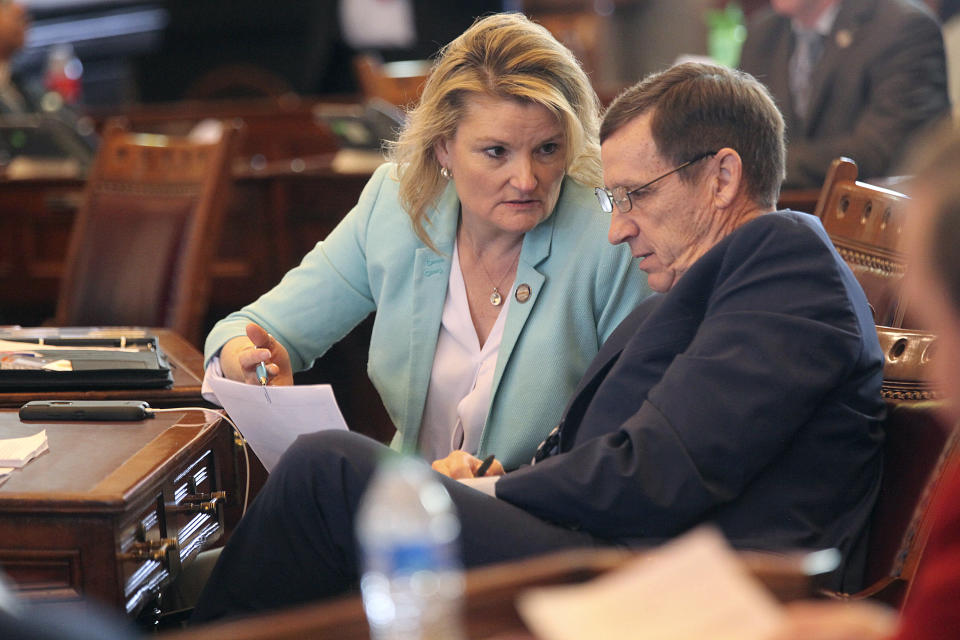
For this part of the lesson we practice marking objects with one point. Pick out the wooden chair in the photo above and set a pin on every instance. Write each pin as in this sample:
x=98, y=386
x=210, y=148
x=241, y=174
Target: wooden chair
x=399, y=83
x=146, y=232
x=917, y=448
x=865, y=223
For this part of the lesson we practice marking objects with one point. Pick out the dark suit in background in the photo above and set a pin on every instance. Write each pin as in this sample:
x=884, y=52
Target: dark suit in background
x=748, y=396
x=881, y=78
x=14, y=100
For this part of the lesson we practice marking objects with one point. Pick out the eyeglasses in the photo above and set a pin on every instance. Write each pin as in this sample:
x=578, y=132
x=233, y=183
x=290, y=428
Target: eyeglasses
x=621, y=197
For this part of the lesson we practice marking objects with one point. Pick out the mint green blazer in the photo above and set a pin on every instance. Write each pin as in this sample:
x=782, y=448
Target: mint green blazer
x=581, y=288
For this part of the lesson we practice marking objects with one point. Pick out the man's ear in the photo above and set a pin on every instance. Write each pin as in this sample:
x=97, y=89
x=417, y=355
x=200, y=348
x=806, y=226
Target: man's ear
x=729, y=177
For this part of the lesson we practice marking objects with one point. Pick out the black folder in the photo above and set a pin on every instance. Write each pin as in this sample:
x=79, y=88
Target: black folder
x=95, y=364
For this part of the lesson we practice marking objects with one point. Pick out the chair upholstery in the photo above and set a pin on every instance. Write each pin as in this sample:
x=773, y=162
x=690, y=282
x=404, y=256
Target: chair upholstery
x=917, y=448
x=144, y=236
x=865, y=223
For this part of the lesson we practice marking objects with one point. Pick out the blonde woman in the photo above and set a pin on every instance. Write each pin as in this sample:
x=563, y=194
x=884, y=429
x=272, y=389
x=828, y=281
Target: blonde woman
x=481, y=249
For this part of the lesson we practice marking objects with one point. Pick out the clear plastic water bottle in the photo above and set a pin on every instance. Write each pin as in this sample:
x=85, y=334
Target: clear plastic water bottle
x=412, y=582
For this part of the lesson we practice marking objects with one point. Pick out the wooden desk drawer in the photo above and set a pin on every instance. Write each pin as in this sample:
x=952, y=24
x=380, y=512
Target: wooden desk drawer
x=147, y=557
x=184, y=517
x=196, y=512
x=118, y=532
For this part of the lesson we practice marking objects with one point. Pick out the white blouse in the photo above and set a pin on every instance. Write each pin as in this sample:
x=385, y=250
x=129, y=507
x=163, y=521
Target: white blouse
x=461, y=381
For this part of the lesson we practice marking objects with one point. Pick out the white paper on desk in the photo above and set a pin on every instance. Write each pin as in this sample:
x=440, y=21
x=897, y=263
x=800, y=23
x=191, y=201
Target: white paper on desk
x=270, y=427
x=19, y=347
x=692, y=588
x=16, y=452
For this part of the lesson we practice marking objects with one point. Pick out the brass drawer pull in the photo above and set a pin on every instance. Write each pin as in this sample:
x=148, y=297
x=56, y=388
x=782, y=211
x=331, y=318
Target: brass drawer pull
x=199, y=503
x=164, y=550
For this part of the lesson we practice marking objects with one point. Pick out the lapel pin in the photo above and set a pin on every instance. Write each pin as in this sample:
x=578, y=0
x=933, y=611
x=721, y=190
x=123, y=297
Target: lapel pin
x=844, y=38
x=523, y=293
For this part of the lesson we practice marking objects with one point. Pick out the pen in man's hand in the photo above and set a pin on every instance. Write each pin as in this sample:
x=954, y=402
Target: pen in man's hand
x=263, y=377
x=484, y=466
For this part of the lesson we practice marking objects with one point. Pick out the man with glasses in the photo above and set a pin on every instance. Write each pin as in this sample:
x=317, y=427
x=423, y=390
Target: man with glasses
x=746, y=395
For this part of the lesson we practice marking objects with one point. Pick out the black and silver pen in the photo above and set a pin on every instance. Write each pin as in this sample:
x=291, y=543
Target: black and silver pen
x=263, y=377
x=484, y=466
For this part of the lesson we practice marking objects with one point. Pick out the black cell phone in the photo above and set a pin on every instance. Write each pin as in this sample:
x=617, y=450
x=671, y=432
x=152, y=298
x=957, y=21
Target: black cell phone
x=58, y=410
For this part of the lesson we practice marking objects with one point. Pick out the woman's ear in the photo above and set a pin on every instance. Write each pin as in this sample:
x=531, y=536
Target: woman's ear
x=729, y=177
x=440, y=151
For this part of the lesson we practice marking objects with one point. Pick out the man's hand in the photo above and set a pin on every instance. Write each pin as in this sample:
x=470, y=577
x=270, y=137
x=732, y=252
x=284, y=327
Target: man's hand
x=460, y=464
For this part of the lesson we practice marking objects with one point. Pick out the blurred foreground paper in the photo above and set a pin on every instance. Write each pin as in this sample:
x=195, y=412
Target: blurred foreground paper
x=270, y=427
x=692, y=588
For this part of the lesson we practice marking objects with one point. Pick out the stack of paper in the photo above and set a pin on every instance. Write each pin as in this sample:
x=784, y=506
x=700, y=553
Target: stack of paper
x=16, y=452
x=270, y=418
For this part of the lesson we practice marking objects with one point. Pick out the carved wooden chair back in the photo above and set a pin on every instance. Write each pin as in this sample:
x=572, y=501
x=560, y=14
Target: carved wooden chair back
x=865, y=224
x=146, y=231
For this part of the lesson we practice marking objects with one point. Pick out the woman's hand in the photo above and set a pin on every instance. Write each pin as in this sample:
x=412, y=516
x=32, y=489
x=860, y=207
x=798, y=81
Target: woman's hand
x=240, y=356
x=460, y=464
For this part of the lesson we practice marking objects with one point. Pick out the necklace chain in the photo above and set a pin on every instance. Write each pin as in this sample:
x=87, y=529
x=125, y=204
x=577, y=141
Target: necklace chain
x=496, y=299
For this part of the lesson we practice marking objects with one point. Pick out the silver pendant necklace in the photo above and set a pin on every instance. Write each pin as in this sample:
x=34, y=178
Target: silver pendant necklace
x=496, y=299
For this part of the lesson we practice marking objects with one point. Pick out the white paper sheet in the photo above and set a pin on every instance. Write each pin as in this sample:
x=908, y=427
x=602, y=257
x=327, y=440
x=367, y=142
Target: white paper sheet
x=692, y=588
x=271, y=427
x=16, y=452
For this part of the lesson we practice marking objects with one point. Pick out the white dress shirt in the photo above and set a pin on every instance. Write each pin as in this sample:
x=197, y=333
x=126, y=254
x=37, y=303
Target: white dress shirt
x=461, y=381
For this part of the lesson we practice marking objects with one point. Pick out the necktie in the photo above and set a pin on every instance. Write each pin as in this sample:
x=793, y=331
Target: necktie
x=809, y=45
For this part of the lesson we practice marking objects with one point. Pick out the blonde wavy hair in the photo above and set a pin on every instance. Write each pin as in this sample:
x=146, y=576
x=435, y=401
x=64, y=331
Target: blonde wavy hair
x=504, y=55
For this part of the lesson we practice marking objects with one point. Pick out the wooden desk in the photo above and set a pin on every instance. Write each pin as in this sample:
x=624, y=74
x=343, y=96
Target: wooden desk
x=185, y=361
x=490, y=596
x=113, y=511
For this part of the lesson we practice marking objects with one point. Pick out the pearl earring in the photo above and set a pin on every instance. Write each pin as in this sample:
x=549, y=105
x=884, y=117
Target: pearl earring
x=445, y=172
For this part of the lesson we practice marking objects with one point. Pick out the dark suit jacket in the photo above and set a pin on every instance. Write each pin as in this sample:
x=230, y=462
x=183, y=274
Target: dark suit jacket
x=881, y=77
x=747, y=396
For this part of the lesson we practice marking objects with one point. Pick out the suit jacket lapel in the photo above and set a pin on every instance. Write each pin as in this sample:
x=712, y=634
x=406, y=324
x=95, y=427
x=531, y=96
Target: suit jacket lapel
x=844, y=34
x=431, y=274
x=536, y=249
x=608, y=355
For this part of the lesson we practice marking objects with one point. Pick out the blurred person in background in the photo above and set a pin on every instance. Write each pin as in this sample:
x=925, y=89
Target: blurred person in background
x=13, y=29
x=855, y=78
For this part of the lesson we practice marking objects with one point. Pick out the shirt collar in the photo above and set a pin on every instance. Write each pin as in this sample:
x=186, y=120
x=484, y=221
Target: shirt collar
x=824, y=24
